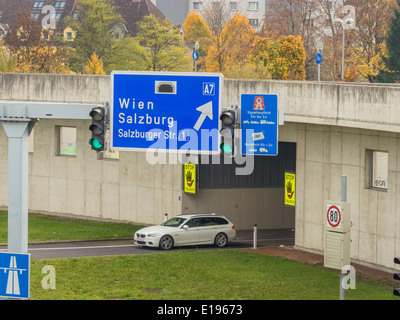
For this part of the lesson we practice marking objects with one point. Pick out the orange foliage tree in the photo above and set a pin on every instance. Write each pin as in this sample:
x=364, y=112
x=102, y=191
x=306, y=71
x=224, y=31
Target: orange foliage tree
x=196, y=29
x=94, y=65
x=284, y=59
x=35, y=49
x=232, y=46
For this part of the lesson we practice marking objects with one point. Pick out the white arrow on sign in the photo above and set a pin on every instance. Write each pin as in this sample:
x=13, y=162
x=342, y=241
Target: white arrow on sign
x=206, y=111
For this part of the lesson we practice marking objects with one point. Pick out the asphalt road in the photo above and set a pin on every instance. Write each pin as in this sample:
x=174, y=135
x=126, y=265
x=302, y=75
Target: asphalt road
x=244, y=239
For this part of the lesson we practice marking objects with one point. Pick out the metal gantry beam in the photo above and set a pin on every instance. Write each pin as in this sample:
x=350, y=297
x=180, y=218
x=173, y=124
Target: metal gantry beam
x=39, y=110
x=18, y=120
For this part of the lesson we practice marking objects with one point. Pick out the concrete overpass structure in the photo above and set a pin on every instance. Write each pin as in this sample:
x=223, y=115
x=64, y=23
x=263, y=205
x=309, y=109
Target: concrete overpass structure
x=337, y=129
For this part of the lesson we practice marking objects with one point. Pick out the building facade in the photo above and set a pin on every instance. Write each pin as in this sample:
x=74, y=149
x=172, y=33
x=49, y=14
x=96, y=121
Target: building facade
x=177, y=10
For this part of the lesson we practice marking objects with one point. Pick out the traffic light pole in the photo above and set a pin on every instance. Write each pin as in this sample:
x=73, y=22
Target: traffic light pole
x=18, y=120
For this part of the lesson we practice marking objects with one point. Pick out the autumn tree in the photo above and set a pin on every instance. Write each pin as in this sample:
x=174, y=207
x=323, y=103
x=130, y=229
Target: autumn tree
x=216, y=14
x=232, y=46
x=97, y=18
x=314, y=22
x=7, y=62
x=283, y=59
x=196, y=29
x=94, y=65
x=365, y=44
x=164, y=49
x=128, y=54
x=35, y=49
x=297, y=18
x=24, y=38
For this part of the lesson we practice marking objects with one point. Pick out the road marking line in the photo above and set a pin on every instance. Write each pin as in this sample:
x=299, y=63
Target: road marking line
x=72, y=248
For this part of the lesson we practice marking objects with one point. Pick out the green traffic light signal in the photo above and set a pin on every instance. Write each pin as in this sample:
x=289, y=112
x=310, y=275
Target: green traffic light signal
x=226, y=148
x=95, y=144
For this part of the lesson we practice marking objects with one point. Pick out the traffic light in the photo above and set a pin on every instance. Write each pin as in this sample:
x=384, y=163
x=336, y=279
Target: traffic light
x=396, y=276
x=98, y=128
x=228, y=119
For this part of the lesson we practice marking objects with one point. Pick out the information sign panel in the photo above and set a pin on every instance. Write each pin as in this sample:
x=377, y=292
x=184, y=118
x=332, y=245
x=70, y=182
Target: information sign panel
x=259, y=124
x=166, y=111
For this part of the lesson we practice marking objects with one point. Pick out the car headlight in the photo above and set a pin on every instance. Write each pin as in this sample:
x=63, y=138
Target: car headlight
x=152, y=235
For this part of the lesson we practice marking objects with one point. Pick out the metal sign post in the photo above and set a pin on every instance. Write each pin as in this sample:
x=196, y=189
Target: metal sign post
x=343, y=273
x=196, y=54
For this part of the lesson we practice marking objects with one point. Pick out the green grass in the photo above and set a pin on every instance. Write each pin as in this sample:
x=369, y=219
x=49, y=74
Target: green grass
x=180, y=274
x=197, y=274
x=55, y=228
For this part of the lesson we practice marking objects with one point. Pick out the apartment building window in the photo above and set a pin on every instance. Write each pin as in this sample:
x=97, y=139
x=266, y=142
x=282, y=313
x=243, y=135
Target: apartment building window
x=253, y=22
x=233, y=5
x=2, y=33
x=253, y=6
x=309, y=22
x=58, y=15
x=377, y=169
x=60, y=4
x=69, y=36
x=38, y=4
x=35, y=14
x=66, y=145
x=198, y=5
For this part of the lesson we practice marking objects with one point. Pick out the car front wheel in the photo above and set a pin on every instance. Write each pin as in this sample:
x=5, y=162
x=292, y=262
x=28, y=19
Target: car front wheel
x=166, y=242
x=221, y=240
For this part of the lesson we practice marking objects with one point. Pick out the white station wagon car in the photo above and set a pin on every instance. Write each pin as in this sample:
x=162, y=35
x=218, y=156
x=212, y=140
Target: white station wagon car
x=186, y=230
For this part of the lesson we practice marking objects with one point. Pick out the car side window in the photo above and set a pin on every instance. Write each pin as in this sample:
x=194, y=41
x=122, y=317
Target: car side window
x=193, y=223
x=221, y=221
x=204, y=222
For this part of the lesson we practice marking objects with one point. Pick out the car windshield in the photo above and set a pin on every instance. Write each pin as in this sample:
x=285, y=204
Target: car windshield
x=174, y=222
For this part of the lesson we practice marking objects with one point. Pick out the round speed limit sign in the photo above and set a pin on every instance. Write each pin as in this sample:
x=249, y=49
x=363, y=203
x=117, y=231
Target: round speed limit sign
x=334, y=216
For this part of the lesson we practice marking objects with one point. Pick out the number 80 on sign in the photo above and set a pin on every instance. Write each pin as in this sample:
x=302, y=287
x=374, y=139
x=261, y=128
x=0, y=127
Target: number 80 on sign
x=334, y=216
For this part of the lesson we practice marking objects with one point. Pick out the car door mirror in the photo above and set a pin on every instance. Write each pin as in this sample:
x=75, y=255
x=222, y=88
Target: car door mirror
x=185, y=226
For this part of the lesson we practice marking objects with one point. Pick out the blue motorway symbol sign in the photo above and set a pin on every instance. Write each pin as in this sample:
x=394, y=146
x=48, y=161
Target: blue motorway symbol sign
x=318, y=58
x=166, y=111
x=259, y=124
x=14, y=275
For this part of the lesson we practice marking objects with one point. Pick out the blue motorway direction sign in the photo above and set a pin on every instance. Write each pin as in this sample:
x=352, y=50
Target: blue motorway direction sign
x=259, y=124
x=14, y=275
x=165, y=111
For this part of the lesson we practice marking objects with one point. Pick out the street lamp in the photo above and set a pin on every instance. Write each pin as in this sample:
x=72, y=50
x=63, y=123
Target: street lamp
x=343, y=23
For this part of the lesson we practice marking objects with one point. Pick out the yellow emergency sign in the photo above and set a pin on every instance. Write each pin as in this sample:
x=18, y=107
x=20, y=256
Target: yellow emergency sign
x=290, y=188
x=189, y=178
